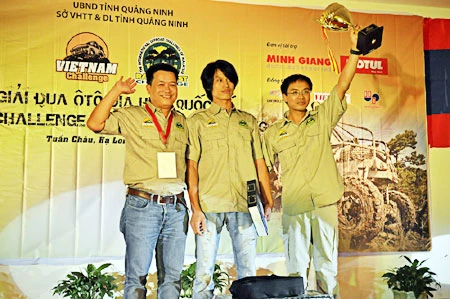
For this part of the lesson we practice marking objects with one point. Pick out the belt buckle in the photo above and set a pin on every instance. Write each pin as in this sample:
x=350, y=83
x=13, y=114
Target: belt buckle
x=175, y=199
x=158, y=201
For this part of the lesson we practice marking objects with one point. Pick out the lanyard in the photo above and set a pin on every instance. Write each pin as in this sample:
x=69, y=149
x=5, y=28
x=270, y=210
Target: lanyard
x=158, y=126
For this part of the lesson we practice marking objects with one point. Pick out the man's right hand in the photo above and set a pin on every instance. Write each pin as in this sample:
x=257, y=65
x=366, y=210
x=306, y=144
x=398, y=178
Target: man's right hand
x=127, y=86
x=198, y=223
x=100, y=114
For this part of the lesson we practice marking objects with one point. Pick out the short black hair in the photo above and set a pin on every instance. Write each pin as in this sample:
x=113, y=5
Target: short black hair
x=160, y=67
x=294, y=78
x=210, y=69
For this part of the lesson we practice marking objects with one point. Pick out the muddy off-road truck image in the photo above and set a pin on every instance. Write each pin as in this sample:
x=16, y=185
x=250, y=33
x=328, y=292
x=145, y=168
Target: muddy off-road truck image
x=370, y=208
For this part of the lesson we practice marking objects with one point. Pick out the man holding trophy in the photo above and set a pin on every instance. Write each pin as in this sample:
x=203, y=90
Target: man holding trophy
x=312, y=185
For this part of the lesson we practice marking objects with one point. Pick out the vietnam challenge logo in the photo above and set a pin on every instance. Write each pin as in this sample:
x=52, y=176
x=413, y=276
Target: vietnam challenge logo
x=161, y=50
x=86, y=59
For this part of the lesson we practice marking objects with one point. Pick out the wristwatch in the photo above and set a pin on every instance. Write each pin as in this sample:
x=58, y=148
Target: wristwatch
x=354, y=52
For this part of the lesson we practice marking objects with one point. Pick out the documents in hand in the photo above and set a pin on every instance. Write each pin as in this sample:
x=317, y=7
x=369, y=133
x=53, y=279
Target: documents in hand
x=256, y=209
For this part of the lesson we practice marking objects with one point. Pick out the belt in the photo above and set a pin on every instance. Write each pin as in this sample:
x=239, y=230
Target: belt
x=169, y=199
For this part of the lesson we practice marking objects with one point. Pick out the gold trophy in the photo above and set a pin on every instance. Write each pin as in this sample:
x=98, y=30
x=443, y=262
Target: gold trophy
x=337, y=18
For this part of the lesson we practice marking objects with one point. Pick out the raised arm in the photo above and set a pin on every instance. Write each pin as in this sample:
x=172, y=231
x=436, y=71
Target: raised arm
x=100, y=114
x=348, y=72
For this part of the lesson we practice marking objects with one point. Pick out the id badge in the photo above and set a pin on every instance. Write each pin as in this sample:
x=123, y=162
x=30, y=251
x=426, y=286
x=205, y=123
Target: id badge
x=167, y=166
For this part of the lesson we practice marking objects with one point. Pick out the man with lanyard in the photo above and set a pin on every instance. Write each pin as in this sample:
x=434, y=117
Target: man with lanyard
x=224, y=153
x=155, y=217
x=311, y=182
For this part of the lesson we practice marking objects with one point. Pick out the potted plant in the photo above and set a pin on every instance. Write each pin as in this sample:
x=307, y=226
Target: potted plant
x=411, y=280
x=94, y=284
x=221, y=280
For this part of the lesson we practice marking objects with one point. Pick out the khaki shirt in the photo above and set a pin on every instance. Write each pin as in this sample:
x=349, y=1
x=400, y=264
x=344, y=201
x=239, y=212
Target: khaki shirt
x=143, y=142
x=309, y=176
x=225, y=147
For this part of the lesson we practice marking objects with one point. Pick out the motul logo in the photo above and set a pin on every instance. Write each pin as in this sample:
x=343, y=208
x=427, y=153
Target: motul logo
x=366, y=65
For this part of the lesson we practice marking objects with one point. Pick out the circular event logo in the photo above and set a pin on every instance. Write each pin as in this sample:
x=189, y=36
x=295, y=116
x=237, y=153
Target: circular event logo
x=161, y=50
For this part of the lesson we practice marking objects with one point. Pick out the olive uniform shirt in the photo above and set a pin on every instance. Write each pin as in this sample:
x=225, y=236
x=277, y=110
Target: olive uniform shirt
x=225, y=147
x=143, y=142
x=310, y=177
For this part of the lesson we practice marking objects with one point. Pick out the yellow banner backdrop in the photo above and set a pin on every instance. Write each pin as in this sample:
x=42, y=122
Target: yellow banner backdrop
x=61, y=187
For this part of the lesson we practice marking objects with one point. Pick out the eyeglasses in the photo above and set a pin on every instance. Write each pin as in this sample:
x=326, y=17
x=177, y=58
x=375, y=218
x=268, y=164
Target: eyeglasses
x=304, y=92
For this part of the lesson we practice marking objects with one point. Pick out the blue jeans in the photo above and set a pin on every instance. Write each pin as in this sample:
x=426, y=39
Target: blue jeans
x=148, y=226
x=243, y=237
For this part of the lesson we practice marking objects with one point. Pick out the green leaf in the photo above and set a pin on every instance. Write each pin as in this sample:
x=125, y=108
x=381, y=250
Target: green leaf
x=94, y=285
x=104, y=266
x=220, y=279
x=412, y=277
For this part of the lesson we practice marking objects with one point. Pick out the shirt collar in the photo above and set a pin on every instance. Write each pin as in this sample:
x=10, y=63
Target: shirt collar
x=286, y=115
x=154, y=109
x=215, y=109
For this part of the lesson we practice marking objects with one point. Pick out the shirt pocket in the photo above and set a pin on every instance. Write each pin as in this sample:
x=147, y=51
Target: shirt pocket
x=149, y=143
x=181, y=142
x=245, y=143
x=286, y=151
x=312, y=130
x=214, y=146
x=149, y=134
x=313, y=138
x=245, y=134
x=214, y=141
